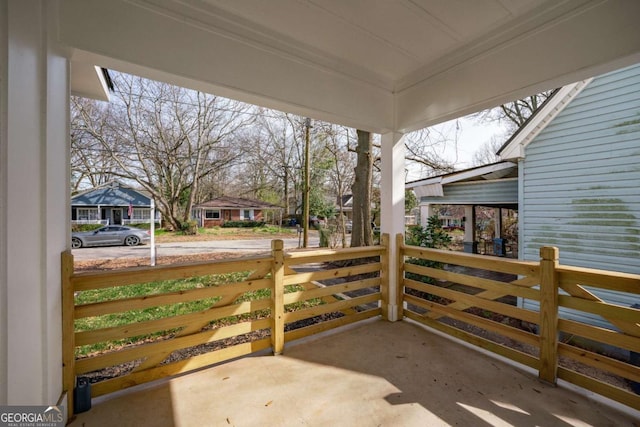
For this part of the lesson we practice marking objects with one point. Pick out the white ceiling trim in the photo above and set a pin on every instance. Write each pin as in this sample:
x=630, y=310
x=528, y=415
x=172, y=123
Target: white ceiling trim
x=513, y=52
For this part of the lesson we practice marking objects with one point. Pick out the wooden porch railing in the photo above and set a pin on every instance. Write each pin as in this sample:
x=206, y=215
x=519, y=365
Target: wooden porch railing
x=482, y=311
x=267, y=301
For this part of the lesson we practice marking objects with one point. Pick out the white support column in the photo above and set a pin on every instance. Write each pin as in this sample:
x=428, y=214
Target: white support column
x=469, y=229
x=497, y=222
x=426, y=211
x=34, y=202
x=392, y=205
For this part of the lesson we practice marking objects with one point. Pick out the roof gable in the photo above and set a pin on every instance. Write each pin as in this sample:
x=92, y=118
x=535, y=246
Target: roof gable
x=236, y=203
x=540, y=119
x=111, y=194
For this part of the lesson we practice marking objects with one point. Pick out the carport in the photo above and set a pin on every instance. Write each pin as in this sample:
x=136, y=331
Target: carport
x=492, y=186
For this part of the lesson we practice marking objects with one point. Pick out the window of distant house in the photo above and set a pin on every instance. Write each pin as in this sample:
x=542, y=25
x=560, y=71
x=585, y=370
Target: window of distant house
x=212, y=214
x=247, y=214
x=87, y=214
x=141, y=214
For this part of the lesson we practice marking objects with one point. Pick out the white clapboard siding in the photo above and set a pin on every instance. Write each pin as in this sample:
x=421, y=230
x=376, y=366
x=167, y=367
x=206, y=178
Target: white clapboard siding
x=580, y=188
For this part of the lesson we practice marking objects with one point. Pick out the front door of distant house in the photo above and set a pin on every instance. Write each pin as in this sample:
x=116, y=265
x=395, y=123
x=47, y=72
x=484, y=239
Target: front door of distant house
x=116, y=216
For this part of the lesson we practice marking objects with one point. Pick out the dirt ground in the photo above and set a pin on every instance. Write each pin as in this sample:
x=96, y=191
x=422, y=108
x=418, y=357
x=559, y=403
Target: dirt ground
x=118, y=263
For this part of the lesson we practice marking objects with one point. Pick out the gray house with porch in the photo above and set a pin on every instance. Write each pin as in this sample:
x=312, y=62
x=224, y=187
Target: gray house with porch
x=112, y=203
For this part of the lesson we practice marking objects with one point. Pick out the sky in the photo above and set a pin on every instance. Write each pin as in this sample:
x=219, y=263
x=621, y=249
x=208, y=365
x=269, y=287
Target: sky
x=465, y=136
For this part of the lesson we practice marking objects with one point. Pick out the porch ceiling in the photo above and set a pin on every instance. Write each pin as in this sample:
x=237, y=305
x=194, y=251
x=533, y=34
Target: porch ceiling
x=380, y=65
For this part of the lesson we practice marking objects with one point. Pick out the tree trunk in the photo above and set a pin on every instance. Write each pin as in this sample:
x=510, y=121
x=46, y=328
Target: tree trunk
x=361, y=234
x=287, y=209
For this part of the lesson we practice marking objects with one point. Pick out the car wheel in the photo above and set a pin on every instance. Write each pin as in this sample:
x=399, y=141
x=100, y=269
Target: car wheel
x=76, y=243
x=131, y=241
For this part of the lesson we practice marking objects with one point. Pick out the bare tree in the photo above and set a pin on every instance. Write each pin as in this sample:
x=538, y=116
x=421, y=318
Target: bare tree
x=90, y=165
x=486, y=154
x=167, y=139
x=425, y=148
x=514, y=114
x=341, y=173
x=275, y=158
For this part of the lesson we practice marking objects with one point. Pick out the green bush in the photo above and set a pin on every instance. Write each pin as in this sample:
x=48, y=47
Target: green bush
x=189, y=227
x=86, y=227
x=431, y=236
x=141, y=225
x=325, y=237
x=245, y=224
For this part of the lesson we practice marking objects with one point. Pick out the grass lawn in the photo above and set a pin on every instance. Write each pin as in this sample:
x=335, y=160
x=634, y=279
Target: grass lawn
x=219, y=233
x=167, y=310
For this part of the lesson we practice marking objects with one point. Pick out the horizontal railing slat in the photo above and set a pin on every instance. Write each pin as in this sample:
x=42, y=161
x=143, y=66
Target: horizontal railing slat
x=474, y=301
x=612, y=392
x=153, y=300
x=484, y=343
x=509, y=266
x=294, y=297
x=600, y=361
x=508, y=331
x=331, y=324
x=328, y=255
x=332, y=274
x=598, y=334
x=608, y=311
x=186, y=365
x=610, y=280
x=142, y=328
x=478, y=282
x=329, y=308
x=84, y=281
x=104, y=360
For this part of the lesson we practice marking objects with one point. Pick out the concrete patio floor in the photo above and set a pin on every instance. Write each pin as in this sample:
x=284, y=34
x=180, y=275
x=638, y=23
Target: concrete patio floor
x=375, y=373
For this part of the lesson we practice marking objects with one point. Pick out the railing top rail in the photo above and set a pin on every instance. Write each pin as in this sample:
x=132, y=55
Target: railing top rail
x=465, y=255
x=363, y=250
x=486, y=262
x=605, y=279
x=87, y=280
x=328, y=255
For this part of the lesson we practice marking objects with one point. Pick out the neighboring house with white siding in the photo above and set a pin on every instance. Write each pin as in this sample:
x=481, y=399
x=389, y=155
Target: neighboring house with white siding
x=579, y=177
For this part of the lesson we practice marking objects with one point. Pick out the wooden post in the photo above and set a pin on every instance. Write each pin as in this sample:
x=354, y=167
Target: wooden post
x=384, y=276
x=400, y=275
x=68, y=333
x=277, y=297
x=548, y=315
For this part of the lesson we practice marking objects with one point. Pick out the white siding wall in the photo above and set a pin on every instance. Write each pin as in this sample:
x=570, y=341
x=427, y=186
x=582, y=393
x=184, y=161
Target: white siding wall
x=581, y=180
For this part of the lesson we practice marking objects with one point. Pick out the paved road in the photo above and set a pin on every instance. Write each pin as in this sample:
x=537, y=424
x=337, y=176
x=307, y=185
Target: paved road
x=186, y=248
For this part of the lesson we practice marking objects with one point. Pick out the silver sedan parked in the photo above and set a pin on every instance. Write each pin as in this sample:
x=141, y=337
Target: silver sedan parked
x=110, y=235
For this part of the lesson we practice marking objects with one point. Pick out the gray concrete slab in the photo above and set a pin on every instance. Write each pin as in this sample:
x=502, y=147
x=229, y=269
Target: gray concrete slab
x=374, y=374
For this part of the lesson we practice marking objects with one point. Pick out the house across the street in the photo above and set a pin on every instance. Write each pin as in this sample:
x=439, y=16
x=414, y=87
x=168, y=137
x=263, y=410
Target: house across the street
x=216, y=212
x=112, y=203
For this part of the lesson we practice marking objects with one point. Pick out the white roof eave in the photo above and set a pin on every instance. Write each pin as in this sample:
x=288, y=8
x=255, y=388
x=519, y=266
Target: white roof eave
x=516, y=148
